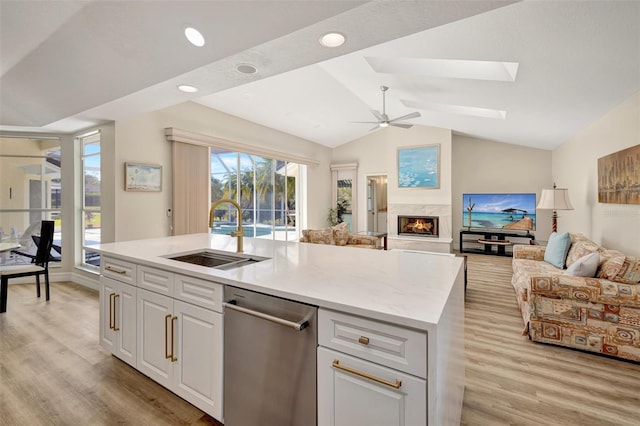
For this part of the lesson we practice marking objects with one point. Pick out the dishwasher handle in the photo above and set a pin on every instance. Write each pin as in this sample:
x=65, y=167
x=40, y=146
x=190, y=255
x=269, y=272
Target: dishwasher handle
x=232, y=304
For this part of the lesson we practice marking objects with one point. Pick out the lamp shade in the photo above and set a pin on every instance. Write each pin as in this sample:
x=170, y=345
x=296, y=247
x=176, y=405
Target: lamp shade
x=555, y=199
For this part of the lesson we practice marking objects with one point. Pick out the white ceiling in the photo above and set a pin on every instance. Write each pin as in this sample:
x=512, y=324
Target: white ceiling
x=68, y=65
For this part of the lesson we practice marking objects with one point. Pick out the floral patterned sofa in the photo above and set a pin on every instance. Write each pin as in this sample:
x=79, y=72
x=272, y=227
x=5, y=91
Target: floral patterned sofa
x=339, y=235
x=599, y=314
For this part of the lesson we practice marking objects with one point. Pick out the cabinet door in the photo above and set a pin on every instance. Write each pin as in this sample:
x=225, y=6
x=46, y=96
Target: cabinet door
x=107, y=294
x=198, y=371
x=125, y=305
x=155, y=318
x=353, y=399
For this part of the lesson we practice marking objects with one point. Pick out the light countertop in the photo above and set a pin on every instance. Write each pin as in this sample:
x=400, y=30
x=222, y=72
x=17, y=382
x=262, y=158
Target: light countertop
x=401, y=287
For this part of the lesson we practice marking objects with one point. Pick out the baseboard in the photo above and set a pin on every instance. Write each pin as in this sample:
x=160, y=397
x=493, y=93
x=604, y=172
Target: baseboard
x=86, y=281
x=57, y=277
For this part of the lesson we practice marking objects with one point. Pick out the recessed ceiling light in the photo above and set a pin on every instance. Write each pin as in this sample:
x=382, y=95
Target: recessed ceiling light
x=188, y=89
x=246, y=69
x=332, y=39
x=194, y=36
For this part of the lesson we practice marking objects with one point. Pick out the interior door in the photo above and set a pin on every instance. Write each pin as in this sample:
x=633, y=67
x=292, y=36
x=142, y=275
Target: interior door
x=371, y=206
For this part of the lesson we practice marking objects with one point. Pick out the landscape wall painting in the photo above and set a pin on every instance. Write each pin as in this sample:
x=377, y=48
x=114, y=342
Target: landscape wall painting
x=619, y=177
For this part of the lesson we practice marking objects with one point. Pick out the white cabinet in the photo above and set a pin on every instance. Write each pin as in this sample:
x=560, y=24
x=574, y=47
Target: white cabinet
x=155, y=319
x=118, y=319
x=197, y=375
x=355, y=392
x=356, y=385
x=180, y=347
x=166, y=325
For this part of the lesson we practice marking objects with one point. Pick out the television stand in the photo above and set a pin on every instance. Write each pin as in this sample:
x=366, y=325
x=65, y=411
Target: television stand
x=496, y=242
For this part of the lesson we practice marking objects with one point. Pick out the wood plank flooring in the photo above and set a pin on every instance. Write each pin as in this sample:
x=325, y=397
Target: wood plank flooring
x=513, y=381
x=53, y=371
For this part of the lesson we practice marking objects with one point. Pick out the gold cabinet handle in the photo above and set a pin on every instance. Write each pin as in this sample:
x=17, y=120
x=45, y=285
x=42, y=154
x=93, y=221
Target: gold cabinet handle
x=396, y=385
x=167, y=355
x=173, y=338
x=115, y=313
x=111, y=322
x=363, y=340
x=117, y=271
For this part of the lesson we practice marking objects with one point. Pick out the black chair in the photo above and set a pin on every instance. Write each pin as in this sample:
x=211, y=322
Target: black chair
x=39, y=267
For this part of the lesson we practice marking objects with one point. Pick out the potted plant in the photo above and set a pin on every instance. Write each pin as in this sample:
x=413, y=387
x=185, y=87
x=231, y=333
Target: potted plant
x=335, y=215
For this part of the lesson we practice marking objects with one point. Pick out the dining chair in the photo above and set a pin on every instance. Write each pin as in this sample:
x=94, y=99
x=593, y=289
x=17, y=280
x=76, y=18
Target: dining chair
x=39, y=267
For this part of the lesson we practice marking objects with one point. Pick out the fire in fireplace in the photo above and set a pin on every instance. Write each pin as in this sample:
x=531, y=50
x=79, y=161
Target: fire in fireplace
x=420, y=226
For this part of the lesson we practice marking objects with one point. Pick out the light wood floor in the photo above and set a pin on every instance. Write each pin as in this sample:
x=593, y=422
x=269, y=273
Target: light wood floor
x=513, y=381
x=53, y=371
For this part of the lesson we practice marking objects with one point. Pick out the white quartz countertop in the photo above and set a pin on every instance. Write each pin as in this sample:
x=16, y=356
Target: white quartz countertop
x=401, y=287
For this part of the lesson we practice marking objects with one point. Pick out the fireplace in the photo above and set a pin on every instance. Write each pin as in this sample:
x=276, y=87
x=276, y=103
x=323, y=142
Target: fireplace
x=418, y=226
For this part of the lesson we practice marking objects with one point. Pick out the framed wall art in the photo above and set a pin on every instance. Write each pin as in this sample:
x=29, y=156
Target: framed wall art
x=419, y=167
x=142, y=177
x=619, y=177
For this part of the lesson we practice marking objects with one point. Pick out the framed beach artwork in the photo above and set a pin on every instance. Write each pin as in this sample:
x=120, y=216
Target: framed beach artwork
x=142, y=177
x=419, y=167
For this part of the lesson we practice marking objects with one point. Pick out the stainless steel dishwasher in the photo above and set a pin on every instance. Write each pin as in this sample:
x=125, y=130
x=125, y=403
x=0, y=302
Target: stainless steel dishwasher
x=269, y=360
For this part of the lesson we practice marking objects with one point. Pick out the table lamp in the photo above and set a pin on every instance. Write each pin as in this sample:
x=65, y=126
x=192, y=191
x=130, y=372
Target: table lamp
x=554, y=199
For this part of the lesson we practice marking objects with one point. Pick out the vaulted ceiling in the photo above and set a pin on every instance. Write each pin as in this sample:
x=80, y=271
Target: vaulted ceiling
x=530, y=73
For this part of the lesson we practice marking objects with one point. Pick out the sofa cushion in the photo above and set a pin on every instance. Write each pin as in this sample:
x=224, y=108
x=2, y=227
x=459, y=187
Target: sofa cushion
x=586, y=266
x=557, y=249
x=318, y=236
x=630, y=271
x=580, y=248
x=341, y=234
x=611, y=262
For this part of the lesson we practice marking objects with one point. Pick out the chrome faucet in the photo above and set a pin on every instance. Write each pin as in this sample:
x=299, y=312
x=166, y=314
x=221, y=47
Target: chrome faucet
x=238, y=233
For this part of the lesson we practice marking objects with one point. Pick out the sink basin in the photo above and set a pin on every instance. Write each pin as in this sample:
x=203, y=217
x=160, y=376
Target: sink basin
x=217, y=259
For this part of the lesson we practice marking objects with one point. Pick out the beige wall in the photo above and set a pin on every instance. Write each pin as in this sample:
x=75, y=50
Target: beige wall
x=485, y=166
x=141, y=139
x=575, y=166
x=376, y=154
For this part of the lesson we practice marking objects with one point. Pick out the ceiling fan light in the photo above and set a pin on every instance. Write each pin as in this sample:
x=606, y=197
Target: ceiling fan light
x=384, y=124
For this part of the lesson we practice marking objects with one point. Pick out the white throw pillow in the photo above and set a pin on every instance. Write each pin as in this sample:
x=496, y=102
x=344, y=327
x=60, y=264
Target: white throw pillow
x=586, y=266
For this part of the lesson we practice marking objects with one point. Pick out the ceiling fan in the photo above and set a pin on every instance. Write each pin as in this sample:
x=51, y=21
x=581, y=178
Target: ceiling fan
x=383, y=118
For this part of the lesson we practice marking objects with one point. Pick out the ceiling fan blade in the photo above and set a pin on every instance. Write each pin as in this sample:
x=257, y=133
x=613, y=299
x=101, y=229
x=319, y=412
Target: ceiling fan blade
x=374, y=127
x=364, y=122
x=406, y=117
x=377, y=114
x=404, y=126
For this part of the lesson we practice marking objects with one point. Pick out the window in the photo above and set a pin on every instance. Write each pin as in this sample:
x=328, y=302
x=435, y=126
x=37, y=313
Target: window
x=90, y=210
x=30, y=171
x=265, y=188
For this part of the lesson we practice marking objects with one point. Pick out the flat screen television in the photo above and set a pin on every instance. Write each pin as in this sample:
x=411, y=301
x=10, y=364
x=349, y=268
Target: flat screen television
x=514, y=212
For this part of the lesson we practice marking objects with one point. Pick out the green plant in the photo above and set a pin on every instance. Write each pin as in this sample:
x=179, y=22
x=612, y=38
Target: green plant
x=335, y=215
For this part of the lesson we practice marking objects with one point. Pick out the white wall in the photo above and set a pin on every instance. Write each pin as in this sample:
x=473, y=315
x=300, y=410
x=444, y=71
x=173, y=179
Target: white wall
x=141, y=139
x=575, y=166
x=376, y=154
x=485, y=166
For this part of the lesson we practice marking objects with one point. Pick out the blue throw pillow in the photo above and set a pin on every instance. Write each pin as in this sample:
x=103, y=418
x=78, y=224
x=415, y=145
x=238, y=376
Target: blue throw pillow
x=557, y=249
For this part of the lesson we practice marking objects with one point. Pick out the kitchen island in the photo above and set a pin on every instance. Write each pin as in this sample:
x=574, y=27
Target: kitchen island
x=386, y=291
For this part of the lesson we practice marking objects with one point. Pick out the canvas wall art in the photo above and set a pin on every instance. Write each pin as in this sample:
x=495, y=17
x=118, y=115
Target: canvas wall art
x=619, y=177
x=419, y=167
x=142, y=177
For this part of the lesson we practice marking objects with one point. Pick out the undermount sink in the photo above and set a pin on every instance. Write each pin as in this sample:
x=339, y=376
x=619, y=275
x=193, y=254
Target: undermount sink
x=217, y=259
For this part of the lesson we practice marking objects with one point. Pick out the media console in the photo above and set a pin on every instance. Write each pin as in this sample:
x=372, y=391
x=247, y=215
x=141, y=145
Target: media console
x=496, y=242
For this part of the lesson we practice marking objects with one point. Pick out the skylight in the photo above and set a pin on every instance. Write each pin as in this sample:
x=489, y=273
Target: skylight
x=457, y=109
x=446, y=68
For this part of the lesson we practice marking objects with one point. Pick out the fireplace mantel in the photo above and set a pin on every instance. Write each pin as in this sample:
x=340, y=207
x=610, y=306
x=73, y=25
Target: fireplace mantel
x=442, y=243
